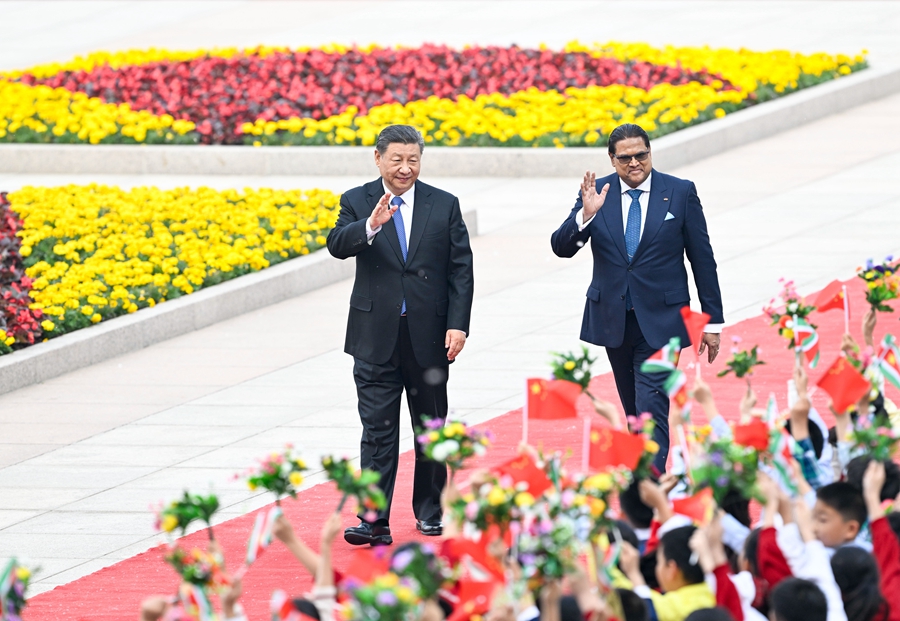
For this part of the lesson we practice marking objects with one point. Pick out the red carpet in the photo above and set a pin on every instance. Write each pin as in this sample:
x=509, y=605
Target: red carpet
x=115, y=593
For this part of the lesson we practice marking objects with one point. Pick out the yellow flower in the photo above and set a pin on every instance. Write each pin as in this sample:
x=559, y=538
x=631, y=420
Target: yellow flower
x=296, y=479
x=524, y=499
x=405, y=594
x=251, y=485
x=433, y=436
x=300, y=464
x=598, y=507
x=651, y=447
x=496, y=496
x=719, y=113
x=169, y=523
x=787, y=333
x=48, y=325
x=602, y=482
x=23, y=573
x=569, y=365
x=96, y=318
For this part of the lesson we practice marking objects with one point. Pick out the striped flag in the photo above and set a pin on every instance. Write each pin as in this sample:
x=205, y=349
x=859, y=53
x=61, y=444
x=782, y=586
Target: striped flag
x=781, y=447
x=771, y=410
x=665, y=360
x=196, y=603
x=261, y=536
x=7, y=580
x=282, y=607
x=676, y=387
x=889, y=360
x=806, y=340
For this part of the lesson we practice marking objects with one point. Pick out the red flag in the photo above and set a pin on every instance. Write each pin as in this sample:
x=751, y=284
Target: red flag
x=700, y=507
x=754, y=434
x=832, y=296
x=475, y=598
x=523, y=469
x=844, y=384
x=694, y=322
x=456, y=549
x=614, y=449
x=366, y=564
x=552, y=399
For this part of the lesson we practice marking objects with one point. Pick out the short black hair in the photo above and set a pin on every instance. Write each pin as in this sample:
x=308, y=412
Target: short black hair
x=795, y=599
x=815, y=436
x=857, y=468
x=856, y=573
x=633, y=606
x=845, y=499
x=628, y=130
x=751, y=551
x=306, y=607
x=675, y=547
x=400, y=134
x=710, y=614
x=737, y=506
x=639, y=514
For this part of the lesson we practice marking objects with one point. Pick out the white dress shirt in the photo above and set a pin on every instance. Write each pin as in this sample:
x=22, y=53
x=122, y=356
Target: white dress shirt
x=644, y=200
x=406, y=211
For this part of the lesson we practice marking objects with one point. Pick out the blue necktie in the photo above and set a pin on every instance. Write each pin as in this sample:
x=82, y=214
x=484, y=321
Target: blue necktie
x=401, y=234
x=632, y=234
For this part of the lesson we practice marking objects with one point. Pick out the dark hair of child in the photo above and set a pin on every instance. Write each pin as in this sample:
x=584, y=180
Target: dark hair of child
x=845, y=499
x=796, y=599
x=857, y=468
x=633, y=607
x=710, y=614
x=856, y=573
x=639, y=514
x=675, y=547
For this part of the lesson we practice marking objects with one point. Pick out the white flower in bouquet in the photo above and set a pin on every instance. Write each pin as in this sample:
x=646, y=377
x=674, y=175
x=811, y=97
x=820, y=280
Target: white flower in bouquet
x=444, y=450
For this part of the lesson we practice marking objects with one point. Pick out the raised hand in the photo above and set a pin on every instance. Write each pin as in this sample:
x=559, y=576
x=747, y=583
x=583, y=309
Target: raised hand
x=382, y=213
x=592, y=201
x=869, y=327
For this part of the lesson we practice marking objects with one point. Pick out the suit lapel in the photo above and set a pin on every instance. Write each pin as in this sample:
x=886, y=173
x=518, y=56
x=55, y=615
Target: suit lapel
x=612, y=214
x=657, y=208
x=376, y=191
x=421, y=212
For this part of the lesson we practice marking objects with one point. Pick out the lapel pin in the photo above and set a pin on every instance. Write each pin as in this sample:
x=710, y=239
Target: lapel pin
x=665, y=199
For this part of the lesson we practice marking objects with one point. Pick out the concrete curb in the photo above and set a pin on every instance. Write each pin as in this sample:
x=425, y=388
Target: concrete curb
x=147, y=326
x=683, y=147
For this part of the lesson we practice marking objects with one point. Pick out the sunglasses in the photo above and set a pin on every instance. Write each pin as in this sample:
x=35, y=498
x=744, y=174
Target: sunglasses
x=625, y=159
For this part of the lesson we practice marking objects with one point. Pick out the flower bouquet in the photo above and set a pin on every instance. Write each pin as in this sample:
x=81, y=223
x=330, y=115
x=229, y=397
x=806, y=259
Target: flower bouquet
x=279, y=473
x=387, y=598
x=183, y=512
x=418, y=562
x=882, y=283
x=14, y=580
x=197, y=567
x=549, y=546
x=794, y=306
x=597, y=491
x=874, y=439
x=362, y=485
x=452, y=443
x=494, y=502
x=576, y=369
x=724, y=465
x=742, y=361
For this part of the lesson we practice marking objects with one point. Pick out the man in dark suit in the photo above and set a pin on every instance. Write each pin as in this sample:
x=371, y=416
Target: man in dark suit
x=409, y=316
x=641, y=223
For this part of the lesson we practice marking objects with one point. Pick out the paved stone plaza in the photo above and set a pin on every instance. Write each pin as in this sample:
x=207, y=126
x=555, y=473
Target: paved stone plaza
x=82, y=456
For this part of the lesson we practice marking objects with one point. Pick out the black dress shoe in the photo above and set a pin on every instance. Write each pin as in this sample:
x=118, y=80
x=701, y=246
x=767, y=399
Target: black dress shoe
x=432, y=528
x=366, y=533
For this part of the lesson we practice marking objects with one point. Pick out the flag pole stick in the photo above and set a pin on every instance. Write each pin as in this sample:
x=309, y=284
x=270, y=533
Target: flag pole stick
x=586, y=445
x=525, y=415
x=846, y=311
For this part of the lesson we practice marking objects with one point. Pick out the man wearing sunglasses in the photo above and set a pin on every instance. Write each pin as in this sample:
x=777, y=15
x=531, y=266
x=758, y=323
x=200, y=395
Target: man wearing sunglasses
x=641, y=223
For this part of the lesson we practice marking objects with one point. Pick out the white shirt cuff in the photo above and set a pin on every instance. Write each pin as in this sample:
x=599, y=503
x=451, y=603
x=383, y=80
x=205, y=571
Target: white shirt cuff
x=579, y=219
x=714, y=328
x=371, y=233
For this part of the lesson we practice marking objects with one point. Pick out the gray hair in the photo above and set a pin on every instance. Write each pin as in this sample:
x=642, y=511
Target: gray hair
x=402, y=134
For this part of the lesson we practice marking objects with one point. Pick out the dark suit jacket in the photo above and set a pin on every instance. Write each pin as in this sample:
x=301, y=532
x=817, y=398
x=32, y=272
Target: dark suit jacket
x=656, y=276
x=436, y=280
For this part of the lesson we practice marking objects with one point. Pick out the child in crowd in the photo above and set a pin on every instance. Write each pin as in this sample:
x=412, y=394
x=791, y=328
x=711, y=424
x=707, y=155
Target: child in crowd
x=839, y=514
x=795, y=599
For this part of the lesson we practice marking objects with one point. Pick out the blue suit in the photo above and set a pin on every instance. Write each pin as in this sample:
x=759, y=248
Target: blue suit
x=656, y=280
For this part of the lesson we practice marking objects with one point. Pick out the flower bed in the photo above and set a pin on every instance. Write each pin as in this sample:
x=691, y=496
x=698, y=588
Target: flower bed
x=77, y=255
x=475, y=96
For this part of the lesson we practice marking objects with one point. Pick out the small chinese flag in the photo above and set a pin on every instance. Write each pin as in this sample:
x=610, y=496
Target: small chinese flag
x=614, y=449
x=552, y=399
x=844, y=384
x=523, y=469
x=754, y=434
x=832, y=296
x=476, y=551
x=475, y=598
x=366, y=564
x=694, y=322
x=700, y=507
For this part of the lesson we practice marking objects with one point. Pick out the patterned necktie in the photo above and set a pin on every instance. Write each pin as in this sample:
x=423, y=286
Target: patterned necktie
x=401, y=235
x=632, y=234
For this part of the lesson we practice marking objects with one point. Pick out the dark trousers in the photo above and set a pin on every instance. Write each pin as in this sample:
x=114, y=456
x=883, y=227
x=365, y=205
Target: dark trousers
x=641, y=392
x=379, y=388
